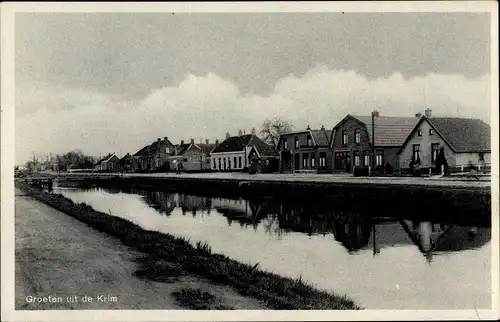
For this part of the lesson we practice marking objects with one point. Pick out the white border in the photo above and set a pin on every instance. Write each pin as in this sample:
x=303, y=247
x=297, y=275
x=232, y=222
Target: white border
x=7, y=161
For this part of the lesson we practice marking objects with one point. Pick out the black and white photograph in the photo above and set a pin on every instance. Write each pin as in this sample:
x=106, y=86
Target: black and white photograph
x=249, y=161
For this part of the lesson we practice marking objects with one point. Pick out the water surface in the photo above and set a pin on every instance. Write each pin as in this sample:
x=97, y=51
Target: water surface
x=379, y=261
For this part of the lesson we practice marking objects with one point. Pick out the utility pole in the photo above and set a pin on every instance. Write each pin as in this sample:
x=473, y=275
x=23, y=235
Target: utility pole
x=374, y=113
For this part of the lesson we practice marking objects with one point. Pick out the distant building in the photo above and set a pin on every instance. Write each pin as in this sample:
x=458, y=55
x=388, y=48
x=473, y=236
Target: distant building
x=109, y=163
x=126, y=163
x=352, y=141
x=463, y=141
x=305, y=150
x=192, y=156
x=153, y=157
x=232, y=153
x=265, y=160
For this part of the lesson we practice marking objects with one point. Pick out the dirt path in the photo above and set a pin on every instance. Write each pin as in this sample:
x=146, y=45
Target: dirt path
x=60, y=257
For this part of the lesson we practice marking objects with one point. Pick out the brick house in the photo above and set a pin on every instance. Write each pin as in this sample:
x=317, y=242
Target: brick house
x=305, y=150
x=109, y=163
x=352, y=142
x=192, y=156
x=264, y=160
x=153, y=157
x=463, y=141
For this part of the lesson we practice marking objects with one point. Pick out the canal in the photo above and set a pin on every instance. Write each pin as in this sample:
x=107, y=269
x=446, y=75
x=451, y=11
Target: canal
x=382, y=261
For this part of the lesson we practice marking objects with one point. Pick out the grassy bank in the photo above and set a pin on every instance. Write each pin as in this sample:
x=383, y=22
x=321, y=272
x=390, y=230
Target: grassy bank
x=275, y=291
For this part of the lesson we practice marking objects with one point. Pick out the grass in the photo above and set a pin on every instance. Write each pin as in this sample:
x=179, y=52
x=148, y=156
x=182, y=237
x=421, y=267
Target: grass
x=179, y=256
x=195, y=299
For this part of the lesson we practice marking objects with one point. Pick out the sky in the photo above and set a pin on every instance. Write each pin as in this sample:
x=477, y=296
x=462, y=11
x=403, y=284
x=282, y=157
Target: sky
x=115, y=82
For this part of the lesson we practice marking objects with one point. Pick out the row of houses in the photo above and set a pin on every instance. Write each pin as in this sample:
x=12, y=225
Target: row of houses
x=375, y=141
x=387, y=142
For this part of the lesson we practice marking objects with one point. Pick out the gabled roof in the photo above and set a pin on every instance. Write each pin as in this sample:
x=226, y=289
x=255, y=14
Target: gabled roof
x=389, y=130
x=206, y=147
x=463, y=135
x=234, y=144
x=142, y=151
x=320, y=137
x=460, y=134
x=182, y=148
x=264, y=151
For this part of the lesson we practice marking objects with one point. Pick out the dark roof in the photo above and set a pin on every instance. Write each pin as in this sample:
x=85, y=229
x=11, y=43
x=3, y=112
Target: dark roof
x=234, y=143
x=127, y=156
x=389, y=130
x=206, y=148
x=321, y=137
x=142, y=151
x=464, y=135
x=182, y=148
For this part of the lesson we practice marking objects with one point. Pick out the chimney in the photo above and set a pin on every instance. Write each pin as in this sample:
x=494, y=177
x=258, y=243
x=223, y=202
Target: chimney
x=322, y=127
x=428, y=112
x=216, y=141
x=418, y=115
x=228, y=135
x=165, y=138
x=206, y=141
x=192, y=141
x=182, y=142
x=253, y=131
x=240, y=132
x=159, y=139
x=308, y=127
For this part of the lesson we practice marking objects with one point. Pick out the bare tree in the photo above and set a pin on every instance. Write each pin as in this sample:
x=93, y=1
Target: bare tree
x=272, y=129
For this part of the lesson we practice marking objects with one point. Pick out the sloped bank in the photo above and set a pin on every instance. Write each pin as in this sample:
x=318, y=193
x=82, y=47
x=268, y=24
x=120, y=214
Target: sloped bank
x=276, y=291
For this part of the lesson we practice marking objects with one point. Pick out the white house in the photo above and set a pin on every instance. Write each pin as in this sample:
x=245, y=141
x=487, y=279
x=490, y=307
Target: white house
x=232, y=153
x=464, y=141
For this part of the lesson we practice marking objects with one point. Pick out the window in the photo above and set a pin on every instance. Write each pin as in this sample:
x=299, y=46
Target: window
x=229, y=163
x=309, y=140
x=434, y=151
x=431, y=131
x=285, y=144
x=167, y=150
x=419, y=133
x=416, y=152
x=225, y=164
x=215, y=163
x=357, y=136
x=481, y=156
x=366, y=158
x=239, y=161
x=296, y=142
x=356, y=158
x=234, y=162
x=344, y=137
x=379, y=158
x=322, y=159
x=305, y=160
x=220, y=162
x=313, y=159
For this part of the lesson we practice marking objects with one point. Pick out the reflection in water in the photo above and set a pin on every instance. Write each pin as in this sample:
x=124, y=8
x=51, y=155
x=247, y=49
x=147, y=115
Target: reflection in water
x=363, y=255
x=353, y=231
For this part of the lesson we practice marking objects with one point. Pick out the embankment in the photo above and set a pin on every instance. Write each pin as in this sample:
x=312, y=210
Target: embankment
x=276, y=291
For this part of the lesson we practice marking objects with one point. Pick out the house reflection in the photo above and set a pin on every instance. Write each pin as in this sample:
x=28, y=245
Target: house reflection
x=246, y=213
x=355, y=231
x=436, y=238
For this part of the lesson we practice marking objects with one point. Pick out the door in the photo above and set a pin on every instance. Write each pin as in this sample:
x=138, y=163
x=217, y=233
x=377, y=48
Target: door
x=297, y=161
x=348, y=162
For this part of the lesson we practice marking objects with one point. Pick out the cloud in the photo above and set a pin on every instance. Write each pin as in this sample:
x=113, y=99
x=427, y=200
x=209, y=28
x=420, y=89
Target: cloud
x=57, y=119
